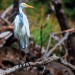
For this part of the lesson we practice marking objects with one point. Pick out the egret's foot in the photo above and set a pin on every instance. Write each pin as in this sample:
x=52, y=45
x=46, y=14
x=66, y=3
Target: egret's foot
x=20, y=66
x=27, y=64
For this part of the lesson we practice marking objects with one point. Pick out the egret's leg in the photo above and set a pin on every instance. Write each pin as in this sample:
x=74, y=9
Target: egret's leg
x=25, y=56
x=26, y=62
x=19, y=60
x=25, y=59
x=26, y=49
x=19, y=54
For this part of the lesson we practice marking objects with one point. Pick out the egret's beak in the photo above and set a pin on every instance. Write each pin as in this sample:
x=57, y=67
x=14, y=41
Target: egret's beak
x=28, y=6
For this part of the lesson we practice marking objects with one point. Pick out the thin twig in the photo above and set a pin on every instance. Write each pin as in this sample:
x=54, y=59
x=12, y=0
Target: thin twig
x=65, y=31
x=4, y=14
x=62, y=40
x=49, y=42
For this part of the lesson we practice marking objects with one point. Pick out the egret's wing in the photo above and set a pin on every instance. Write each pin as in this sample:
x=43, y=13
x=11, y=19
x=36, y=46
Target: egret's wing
x=16, y=23
x=26, y=23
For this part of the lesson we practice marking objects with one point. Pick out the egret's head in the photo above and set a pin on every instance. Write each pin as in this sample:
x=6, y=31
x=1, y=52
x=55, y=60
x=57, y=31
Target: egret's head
x=24, y=5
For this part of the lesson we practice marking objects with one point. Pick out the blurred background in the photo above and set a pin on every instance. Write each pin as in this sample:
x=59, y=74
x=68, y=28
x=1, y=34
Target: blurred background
x=43, y=17
x=39, y=15
x=49, y=21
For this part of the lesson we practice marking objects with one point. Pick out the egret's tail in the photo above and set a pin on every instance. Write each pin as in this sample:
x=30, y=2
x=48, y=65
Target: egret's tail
x=24, y=42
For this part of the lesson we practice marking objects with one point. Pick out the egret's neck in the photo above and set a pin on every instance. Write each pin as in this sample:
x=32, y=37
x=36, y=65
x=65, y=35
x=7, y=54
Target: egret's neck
x=20, y=10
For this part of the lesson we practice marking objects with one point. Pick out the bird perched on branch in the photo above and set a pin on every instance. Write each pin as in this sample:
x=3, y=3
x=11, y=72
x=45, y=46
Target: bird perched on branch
x=21, y=28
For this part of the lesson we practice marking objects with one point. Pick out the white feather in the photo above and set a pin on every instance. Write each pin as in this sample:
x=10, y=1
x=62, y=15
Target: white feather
x=21, y=28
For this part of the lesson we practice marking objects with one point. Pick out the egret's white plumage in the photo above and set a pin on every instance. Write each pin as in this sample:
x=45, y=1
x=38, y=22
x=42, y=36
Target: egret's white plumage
x=21, y=26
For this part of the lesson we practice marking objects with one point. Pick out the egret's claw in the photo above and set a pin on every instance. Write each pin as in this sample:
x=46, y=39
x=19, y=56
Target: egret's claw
x=20, y=66
x=27, y=65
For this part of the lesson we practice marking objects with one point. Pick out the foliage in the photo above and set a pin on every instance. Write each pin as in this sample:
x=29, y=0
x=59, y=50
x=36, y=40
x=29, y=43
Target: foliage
x=69, y=7
x=5, y=3
x=38, y=15
x=37, y=18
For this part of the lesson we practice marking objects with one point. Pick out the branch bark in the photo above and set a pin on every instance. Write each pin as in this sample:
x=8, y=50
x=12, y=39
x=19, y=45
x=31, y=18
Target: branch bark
x=6, y=28
x=64, y=24
x=36, y=64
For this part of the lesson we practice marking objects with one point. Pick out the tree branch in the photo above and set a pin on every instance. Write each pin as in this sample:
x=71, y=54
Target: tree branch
x=6, y=28
x=36, y=64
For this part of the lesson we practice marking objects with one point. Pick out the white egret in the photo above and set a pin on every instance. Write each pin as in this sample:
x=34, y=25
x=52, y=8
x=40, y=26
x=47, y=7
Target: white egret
x=21, y=27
